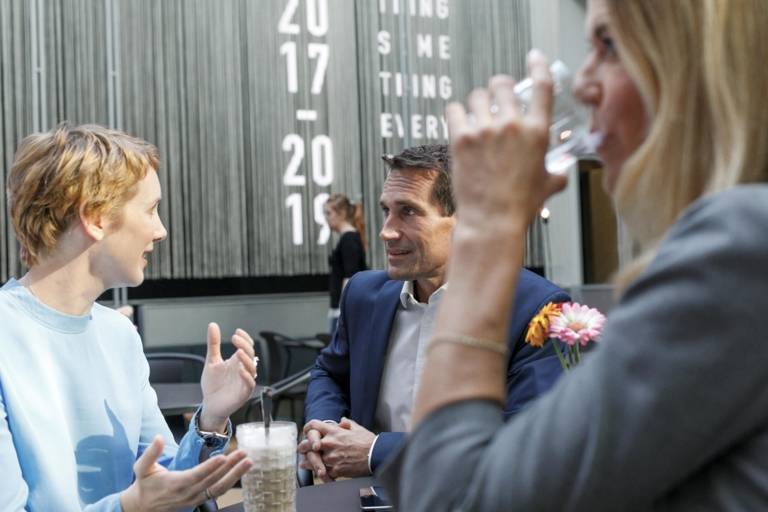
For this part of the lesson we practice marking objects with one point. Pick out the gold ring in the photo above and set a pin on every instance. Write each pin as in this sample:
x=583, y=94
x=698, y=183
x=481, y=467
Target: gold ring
x=208, y=495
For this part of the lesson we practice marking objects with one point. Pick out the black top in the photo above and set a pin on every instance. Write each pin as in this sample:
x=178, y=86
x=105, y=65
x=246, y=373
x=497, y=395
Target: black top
x=347, y=258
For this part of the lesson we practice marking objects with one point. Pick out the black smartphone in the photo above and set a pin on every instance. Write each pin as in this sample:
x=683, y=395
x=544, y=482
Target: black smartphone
x=374, y=498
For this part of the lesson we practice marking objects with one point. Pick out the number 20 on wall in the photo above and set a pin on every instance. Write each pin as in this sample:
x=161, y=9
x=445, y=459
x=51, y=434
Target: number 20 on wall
x=322, y=175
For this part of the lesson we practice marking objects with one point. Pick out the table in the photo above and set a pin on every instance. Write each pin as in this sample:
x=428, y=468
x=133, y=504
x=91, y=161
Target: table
x=180, y=397
x=342, y=496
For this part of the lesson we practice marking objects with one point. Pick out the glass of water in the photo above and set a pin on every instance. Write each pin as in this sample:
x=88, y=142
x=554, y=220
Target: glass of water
x=569, y=137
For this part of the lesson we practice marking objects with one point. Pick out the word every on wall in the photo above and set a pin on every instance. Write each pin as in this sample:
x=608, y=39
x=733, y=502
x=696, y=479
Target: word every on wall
x=428, y=47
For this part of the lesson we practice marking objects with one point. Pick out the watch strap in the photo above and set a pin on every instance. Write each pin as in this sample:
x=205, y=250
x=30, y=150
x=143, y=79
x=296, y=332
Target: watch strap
x=213, y=440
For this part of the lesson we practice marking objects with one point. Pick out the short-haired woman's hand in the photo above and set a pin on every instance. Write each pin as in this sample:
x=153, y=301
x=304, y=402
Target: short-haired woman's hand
x=158, y=489
x=227, y=384
x=498, y=152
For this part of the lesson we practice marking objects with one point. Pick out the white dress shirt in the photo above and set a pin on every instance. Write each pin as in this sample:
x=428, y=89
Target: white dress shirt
x=411, y=331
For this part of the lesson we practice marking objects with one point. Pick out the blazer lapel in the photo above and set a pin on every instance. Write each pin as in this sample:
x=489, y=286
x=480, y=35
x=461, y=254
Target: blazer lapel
x=382, y=318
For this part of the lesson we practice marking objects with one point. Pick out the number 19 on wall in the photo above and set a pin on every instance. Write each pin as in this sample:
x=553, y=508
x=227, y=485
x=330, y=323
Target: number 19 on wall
x=294, y=204
x=322, y=175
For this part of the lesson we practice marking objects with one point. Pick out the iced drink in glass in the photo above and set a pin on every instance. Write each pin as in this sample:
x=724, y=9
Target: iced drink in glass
x=270, y=485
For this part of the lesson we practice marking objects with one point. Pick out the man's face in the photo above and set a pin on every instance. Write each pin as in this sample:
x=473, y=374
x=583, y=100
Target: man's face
x=416, y=234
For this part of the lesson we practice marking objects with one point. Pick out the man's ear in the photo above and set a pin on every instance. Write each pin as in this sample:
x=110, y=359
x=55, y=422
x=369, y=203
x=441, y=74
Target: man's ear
x=93, y=224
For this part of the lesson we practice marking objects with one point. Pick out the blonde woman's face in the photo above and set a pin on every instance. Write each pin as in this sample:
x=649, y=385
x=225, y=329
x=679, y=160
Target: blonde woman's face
x=604, y=86
x=332, y=217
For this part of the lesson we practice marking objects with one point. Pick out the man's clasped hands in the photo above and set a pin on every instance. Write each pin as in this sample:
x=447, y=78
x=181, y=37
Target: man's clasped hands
x=332, y=450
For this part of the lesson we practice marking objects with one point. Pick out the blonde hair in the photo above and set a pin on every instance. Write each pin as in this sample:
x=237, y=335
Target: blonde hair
x=703, y=82
x=72, y=169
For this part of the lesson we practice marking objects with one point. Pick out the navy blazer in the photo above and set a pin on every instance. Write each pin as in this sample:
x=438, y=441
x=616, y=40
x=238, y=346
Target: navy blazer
x=347, y=374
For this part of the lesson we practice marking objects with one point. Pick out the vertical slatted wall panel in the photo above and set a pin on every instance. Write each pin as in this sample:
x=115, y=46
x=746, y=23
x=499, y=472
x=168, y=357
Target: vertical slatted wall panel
x=235, y=92
x=16, y=112
x=218, y=87
x=53, y=69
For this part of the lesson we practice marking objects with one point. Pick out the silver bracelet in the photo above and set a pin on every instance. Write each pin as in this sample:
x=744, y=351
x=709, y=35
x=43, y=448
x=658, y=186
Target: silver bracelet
x=469, y=341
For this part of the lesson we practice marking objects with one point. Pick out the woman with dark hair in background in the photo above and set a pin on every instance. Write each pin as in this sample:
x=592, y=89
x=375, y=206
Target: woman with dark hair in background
x=348, y=257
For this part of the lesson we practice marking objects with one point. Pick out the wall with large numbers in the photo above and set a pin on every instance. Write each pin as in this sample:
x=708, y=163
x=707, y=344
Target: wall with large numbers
x=260, y=108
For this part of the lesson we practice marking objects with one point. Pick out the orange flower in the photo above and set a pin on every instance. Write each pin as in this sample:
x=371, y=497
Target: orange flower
x=539, y=327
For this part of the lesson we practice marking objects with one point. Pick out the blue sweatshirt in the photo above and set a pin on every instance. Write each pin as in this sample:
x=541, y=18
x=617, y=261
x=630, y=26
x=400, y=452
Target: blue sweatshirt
x=76, y=407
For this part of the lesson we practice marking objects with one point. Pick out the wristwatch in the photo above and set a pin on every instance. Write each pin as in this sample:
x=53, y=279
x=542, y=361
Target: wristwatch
x=212, y=440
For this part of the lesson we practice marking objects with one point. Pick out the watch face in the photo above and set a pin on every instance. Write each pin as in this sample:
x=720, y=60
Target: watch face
x=213, y=440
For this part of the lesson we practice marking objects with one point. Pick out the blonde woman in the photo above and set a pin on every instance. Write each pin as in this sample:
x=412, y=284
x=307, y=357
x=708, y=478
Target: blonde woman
x=79, y=424
x=671, y=412
x=348, y=257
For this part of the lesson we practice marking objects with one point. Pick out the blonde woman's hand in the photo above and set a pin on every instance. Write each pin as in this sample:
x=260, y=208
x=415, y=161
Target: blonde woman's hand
x=226, y=384
x=498, y=156
x=158, y=489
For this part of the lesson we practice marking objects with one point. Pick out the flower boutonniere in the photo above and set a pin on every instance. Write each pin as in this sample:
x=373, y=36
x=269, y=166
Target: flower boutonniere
x=569, y=326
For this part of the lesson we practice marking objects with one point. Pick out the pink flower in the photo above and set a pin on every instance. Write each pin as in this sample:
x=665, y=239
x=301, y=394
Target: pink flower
x=577, y=323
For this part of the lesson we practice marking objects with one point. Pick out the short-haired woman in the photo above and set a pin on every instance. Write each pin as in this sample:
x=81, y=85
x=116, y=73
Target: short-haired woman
x=79, y=422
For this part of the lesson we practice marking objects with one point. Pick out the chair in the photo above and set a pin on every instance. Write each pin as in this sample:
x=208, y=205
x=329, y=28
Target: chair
x=173, y=367
x=291, y=382
x=280, y=350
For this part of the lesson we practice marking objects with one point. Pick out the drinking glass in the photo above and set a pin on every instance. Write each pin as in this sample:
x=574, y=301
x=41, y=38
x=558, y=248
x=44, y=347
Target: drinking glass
x=569, y=137
x=270, y=485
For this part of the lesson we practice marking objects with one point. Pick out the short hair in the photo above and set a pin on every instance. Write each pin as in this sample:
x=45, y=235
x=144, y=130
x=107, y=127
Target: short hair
x=58, y=174
x=434, y=157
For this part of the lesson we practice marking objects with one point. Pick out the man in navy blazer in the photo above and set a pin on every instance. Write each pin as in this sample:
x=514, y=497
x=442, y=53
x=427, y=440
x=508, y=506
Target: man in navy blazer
x=365, y=380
